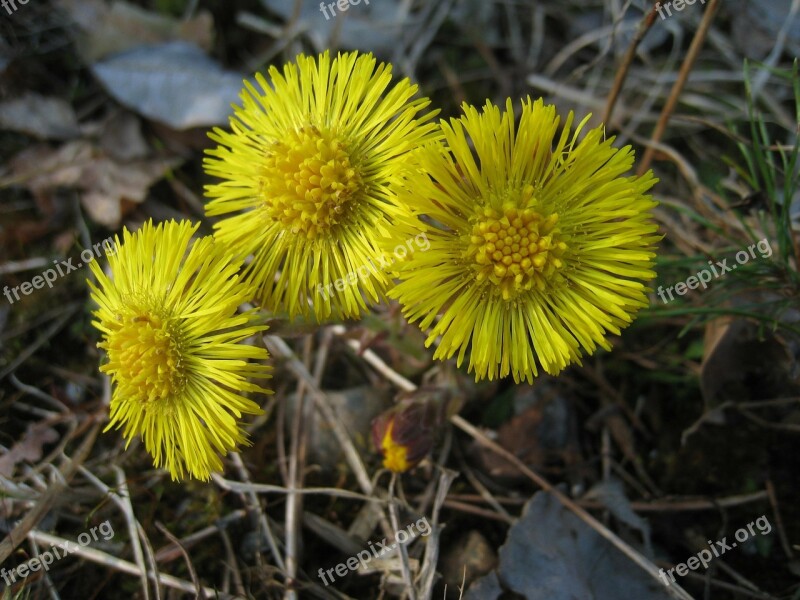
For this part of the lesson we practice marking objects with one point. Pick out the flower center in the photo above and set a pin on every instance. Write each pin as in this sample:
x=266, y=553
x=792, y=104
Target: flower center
x=516, y=249
x=144, y=356
x=309, y=181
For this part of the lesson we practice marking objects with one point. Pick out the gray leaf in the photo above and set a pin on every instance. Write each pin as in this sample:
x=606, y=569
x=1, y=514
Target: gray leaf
x=550, y=553
x=40, y=116
x=174, y=83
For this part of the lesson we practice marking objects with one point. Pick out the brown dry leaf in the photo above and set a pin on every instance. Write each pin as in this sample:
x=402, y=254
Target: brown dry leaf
x=540, y=435
x=469, y=557
x=120, y=26
x=28, y=448
x=110, y=188
x=121, y=137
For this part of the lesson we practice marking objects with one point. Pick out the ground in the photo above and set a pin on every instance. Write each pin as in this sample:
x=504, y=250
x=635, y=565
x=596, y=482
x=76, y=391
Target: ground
x=664, y=467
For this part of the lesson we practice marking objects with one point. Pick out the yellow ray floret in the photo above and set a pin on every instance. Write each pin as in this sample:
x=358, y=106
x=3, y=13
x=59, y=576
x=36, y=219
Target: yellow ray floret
x=540, y=244
x=172, y=335
x=307, y=181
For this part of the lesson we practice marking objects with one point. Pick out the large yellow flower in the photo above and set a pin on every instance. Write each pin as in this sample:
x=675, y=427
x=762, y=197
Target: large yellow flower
x=539, y=245
x=308, y=172
x=168, y=315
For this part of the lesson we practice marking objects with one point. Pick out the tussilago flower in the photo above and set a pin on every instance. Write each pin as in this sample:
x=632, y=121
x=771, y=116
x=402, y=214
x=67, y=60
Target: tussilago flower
x=403, y=435
x=539, y=243
x=171, y=333
x=308, y=172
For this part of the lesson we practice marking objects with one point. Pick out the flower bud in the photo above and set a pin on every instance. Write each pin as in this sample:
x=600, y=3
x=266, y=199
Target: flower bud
x=404, y=435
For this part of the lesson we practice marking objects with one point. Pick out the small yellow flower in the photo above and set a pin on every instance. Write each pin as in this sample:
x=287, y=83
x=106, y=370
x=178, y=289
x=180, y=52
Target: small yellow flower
x=171, y=333
x=308, y=174
x=539, y=244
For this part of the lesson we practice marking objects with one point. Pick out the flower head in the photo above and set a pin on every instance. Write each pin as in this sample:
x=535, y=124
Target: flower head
x=308, y=173
x=403, y=435
x=171, y=333
x=539, y=243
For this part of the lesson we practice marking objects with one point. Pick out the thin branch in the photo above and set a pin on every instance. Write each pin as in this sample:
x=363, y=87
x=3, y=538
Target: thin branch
x=46, y=501
x=683, y=76
x=627, y=60
x=112, y=562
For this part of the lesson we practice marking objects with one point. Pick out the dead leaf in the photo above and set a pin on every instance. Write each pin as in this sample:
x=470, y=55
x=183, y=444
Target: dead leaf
x=173, y=83
x=121, y=137
x=109, y=188
x=42, y=117
x=740, y=363
x=356, y=407
x=29, y=448
x=383, y=27
x=541, y=435
x=550, y=553
x=108, y=29
x=611, y=494
x=468, y=558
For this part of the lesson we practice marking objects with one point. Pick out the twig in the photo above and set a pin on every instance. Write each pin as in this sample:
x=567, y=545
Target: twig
x=123, y=500
x=485, y=494
x=135, y=529
x=37, y=393
x=376, y=362
x=294, y=504
x=627, y=60
x=192, y=573
x=265, y=488
x=481, y=512
x=431, y=558
x=255, y=505
x=401, y=548
x=302, y=418
x=234, y=568
x=773, y=500
x=103, y=558
x=17, y=535
x=23, y=265
x=683, y=76
x=675, y=590
x=46, y=574
x=278, y=347
x=69, y=310
x=171, y=551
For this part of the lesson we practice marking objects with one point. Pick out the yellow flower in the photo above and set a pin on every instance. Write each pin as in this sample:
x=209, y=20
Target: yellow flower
x=308, y=174
x=171, y=333
x=539, y=245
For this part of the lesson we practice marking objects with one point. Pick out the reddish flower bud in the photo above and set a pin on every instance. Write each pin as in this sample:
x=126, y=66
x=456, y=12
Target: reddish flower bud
x=404, y=435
